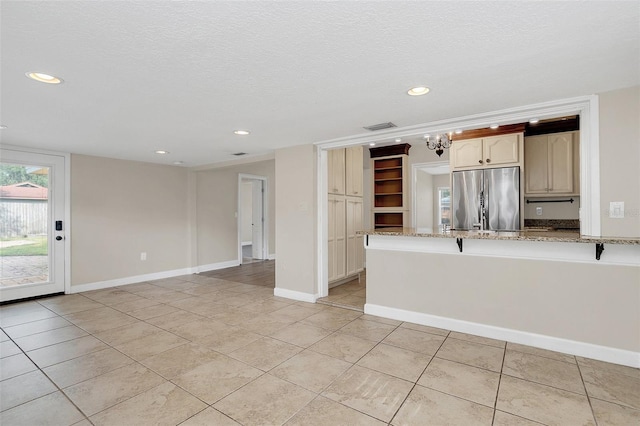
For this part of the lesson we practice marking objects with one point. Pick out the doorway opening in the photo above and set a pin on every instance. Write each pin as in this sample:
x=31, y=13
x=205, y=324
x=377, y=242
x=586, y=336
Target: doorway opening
x=431, y=196
x=252, y=222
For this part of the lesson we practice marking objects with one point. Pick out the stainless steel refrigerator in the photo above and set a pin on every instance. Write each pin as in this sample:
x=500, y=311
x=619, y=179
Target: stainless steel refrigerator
x=487, y=199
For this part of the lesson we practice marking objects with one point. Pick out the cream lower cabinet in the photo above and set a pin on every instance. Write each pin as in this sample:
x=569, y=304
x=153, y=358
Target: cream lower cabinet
x=491, y=151
x=345, y=247
x=337, y=237
x=355, y=243
x=550, y=164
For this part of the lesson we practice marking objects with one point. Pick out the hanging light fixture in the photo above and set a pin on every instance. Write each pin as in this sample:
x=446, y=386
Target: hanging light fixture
x=439, y=142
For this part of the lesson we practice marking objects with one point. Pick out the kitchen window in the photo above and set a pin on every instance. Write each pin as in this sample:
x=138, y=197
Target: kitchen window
x=444, y=208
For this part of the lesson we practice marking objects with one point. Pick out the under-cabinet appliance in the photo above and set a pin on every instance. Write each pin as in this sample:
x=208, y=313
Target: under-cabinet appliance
x=487, y=199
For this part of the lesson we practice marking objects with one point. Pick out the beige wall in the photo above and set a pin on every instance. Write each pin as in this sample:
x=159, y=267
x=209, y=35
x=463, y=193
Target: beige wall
x=296, y=218
x=584, y=302
x=620, y=160
x=122, y=208
x=216, y=207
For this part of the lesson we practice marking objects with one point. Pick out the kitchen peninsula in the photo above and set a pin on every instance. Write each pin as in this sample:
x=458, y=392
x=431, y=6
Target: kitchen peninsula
x=539, y=288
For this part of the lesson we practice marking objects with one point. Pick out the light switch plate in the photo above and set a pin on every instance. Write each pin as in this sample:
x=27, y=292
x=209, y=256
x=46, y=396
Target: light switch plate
x=538, y=211
x=616, y=209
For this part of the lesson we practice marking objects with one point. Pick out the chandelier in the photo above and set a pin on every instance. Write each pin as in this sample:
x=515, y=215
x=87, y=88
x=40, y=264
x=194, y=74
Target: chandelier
x=439, y=142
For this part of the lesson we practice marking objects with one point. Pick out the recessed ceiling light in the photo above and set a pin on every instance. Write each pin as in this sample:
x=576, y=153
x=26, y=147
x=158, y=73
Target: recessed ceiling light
x=241, y=132
x=177, y=163
x=2, y=127
x=494, y=126
x=533, y=121
x=44, y=78
x=372, y=144
x=458, y=131
x=426, y=136
x=418, y=91
x=162, y=152
x=398, y=140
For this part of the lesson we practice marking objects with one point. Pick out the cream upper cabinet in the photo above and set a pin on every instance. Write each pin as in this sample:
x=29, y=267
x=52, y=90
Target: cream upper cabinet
x=536, y=165
x=466, y=153
x=354, y=167
x=561, y=163
x=503, y=149
x=551, y=164
x=336, y=171
x=493, y=151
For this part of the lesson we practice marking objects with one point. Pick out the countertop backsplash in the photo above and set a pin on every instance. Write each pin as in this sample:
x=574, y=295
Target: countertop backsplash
x=552, y=223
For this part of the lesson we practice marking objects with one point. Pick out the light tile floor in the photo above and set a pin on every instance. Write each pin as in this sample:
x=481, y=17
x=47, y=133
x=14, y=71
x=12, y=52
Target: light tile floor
x=199, y=350
x=350, y=295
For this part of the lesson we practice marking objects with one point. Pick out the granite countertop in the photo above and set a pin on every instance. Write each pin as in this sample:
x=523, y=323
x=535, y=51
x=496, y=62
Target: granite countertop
x=567, y=236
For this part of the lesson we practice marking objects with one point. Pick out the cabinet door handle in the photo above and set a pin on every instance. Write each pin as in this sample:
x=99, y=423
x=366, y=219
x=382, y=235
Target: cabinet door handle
x=488, y=160
x=480, y=161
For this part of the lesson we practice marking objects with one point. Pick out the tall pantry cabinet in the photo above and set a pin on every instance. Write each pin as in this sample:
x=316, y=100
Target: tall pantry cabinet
x=346, y=249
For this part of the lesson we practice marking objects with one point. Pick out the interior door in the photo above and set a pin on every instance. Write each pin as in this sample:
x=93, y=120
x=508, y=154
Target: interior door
x=257, y=220
x=32, y=227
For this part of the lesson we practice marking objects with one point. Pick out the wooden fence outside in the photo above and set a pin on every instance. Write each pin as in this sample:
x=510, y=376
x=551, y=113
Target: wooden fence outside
x=23, y=217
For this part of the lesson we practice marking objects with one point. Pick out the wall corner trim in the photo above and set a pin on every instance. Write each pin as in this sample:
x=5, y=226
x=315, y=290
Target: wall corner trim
x=295, y=295
x=588, y=350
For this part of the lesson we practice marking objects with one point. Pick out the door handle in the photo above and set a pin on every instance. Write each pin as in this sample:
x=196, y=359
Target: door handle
x=59, y=238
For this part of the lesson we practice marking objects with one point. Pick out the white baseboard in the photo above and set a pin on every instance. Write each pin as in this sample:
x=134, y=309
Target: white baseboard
x=215, y=266
x=587, y=350
x=272, y=256
x=295, y=295
x=98, y=285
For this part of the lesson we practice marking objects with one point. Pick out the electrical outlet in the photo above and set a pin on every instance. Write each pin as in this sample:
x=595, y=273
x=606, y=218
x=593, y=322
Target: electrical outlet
x=616, y=209
x=143, y=255
x=538, y=211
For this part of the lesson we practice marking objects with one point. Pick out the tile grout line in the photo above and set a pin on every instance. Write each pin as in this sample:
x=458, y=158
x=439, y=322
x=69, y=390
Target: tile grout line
x=495, y=402
x=418, y=379
x=586, y=392
x=49, y=379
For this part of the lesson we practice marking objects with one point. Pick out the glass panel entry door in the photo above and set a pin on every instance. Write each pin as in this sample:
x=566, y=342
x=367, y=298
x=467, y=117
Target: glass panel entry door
x=32, y=224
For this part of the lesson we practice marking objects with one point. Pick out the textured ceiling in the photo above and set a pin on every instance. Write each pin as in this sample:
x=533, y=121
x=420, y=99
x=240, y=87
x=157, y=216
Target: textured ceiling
x=181, y=76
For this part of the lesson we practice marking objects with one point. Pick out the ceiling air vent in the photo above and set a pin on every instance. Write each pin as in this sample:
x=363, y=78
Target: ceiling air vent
x=238, y=154
x=380, y=126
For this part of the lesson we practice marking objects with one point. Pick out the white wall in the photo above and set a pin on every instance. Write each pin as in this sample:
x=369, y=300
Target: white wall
x=424, y=201
x=296, y=219
x=620, y=160
x=581, y=301
x=122, y=208
x=217, y=204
